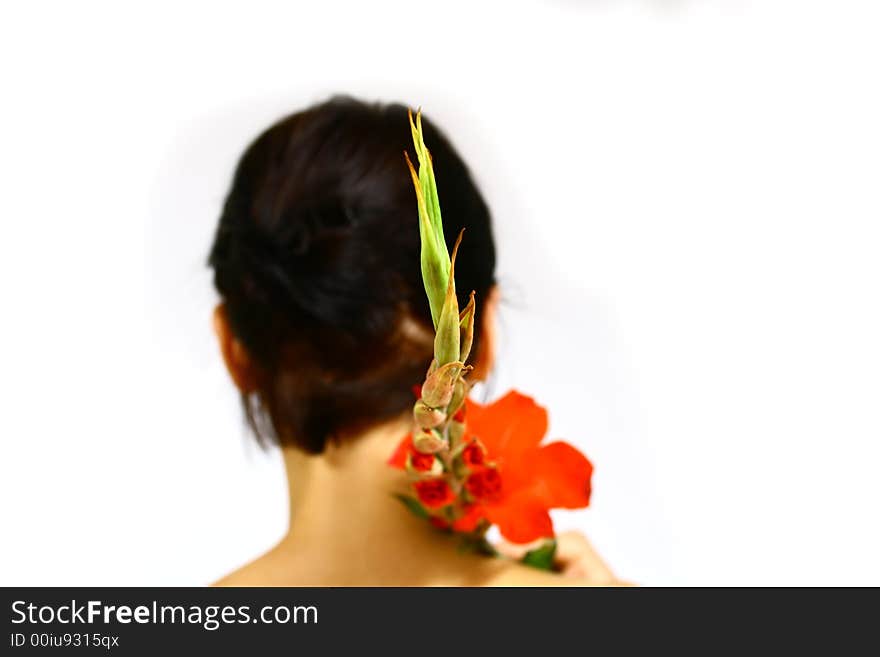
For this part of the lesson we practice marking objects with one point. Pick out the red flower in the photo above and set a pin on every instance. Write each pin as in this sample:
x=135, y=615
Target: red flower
x=533, y=477
x=473, y=454
x=434, y=493
x=421, y=462
x=418, y=460
x=514, y=480
x=484, y=485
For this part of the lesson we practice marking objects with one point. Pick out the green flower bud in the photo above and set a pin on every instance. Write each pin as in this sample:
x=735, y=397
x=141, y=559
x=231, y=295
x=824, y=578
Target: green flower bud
x=438, y=387
x=431, y=368
x=427, y=417
x=428, y=441
x=459, y=392
x=434, y=257
x=448, y=338
x=455, y=431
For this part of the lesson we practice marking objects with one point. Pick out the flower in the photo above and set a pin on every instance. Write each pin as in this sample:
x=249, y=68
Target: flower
x=434, y=493
x=406, y=453
x=421, y=462
x=473, y=454
x=512, y=479
x=532, y=478
x=484, y=485
x=490, y=467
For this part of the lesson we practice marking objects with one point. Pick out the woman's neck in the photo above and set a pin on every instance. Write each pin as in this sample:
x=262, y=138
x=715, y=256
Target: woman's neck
x=346, y=528
x=344, y=497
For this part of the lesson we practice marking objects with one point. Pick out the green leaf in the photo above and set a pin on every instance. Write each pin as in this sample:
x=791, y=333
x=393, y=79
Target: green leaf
x=541, y=557
x=413, y=505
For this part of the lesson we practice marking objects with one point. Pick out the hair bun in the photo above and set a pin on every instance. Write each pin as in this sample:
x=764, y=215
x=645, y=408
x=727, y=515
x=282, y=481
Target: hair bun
x=304, y=224
x=288, y=265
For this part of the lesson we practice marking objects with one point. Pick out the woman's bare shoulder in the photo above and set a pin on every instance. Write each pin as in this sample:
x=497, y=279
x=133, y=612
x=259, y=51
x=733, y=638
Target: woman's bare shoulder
x=261, y=573
x=280, y=567
x=516, y=574
x=269, y=569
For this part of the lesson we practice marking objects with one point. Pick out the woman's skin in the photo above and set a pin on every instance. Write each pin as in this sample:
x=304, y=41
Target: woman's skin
x=346, y=529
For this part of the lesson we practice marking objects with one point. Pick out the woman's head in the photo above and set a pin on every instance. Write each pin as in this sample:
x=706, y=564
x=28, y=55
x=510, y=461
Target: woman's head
x=324, y=321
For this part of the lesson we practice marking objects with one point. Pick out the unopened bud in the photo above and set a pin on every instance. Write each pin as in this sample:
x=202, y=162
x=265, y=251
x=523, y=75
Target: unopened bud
x=432, y=368
x=428, y=441
x=434, y=256
x=456, y=431
x=466, y=326
x=427, y=417
x=422, y=465
x=459, y=392
x=438, y=388
x=447, y=341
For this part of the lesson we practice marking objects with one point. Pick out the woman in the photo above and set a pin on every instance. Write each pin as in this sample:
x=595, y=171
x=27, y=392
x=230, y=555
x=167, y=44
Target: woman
x=325, y=328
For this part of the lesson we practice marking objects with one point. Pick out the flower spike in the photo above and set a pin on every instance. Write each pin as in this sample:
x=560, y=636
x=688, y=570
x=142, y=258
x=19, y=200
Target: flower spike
x=471, y=466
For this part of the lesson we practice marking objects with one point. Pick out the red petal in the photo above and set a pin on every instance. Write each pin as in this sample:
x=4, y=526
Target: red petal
x=521, y=520
x=434, y=493
x=508, y=426
x=562, y=476
x=398, y=459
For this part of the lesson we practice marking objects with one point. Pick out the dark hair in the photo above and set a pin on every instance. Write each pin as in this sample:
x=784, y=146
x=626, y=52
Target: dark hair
x=316, y=257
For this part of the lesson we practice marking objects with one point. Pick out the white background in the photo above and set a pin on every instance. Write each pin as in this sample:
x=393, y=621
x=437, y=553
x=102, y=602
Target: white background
x=686, y=201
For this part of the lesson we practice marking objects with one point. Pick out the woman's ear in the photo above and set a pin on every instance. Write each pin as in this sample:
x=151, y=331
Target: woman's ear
x=238, y=362
x=484, y=359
